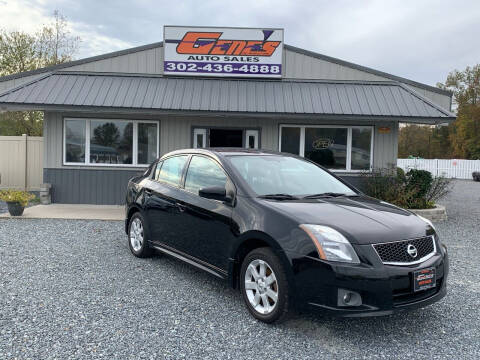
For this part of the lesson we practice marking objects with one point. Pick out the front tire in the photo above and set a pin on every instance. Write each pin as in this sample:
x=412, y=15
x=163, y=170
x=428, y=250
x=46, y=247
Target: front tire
x=137, y=237
x=264, y=285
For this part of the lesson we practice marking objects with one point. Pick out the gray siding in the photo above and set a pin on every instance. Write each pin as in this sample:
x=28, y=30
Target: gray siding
x=88, y=186
x=5, y=85
x=297, y=65
x=142, y=62
x=101, y=187
x=302, y=66
x=176, y=133
x=93, y=185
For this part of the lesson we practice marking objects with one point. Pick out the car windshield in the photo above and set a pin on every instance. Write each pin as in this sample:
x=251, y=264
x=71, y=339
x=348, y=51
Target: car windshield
x=287, y=176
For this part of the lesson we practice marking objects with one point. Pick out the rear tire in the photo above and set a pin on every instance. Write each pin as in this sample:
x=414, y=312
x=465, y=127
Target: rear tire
x=264, y=286
x=137, y=236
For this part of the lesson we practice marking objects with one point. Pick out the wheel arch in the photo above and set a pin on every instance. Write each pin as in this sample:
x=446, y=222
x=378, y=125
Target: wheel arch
x=247, y=242
x=132, y=210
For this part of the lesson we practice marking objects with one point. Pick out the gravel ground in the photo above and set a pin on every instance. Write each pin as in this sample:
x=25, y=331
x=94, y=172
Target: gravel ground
x=71, y=289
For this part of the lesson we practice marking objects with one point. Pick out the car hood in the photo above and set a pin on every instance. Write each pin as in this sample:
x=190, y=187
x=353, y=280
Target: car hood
x=363, y=220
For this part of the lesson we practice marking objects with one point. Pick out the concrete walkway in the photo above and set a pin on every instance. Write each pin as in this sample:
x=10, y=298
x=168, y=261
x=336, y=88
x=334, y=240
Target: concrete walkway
x=72, y=211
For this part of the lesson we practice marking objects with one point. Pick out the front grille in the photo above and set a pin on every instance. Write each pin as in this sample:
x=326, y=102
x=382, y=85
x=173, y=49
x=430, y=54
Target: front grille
x=396, y=252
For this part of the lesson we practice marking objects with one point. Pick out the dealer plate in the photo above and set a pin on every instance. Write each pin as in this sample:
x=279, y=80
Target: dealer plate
x=424, y=279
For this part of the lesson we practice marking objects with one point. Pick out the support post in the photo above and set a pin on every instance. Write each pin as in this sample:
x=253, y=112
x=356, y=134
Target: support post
x=25, y=180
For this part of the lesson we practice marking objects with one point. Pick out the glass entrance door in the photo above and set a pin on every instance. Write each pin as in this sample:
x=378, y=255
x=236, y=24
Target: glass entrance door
x=226, y=137
x=251, y=139
x=199, y=138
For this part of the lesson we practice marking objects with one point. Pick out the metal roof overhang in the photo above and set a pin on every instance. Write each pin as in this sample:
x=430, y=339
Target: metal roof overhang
x=124, y=93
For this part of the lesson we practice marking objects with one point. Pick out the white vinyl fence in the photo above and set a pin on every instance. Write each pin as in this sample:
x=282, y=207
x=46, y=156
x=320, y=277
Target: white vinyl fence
x=450, y=168
x=21, y=162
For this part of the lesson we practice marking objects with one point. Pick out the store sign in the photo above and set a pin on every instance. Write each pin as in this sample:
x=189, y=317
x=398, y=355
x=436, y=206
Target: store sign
x=204, y=51
x=321, y=144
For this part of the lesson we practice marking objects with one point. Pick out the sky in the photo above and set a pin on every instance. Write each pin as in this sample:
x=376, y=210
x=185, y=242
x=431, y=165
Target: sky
x=421, y=40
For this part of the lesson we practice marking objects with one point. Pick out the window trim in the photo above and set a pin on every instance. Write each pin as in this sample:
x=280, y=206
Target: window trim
x=87, y=162
x=349, y=128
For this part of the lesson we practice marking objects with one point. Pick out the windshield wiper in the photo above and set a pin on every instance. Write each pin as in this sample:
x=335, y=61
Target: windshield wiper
x=279, y=197
x=326, y=194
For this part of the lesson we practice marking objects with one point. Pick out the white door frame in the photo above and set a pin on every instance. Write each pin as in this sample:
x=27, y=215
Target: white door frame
x=248, y=134
x=203, y=133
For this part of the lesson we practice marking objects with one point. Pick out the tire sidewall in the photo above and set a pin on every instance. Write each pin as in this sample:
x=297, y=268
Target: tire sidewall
x=145, y=249
x=274, y=262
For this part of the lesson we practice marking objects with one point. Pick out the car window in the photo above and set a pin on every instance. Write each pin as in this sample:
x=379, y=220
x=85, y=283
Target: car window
x=171, y=170
x=204, y=172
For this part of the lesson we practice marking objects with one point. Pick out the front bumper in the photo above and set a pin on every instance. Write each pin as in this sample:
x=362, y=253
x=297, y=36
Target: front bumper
x=384, y=289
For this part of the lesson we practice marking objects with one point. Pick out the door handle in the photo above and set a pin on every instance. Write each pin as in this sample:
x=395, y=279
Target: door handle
x=148, y=191
x=181, y=207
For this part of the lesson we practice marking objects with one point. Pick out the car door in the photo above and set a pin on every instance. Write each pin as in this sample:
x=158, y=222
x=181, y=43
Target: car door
x=163, y=214
x=210, y=220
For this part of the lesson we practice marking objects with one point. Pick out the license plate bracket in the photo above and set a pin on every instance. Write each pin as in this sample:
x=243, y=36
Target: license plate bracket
x=424, y=279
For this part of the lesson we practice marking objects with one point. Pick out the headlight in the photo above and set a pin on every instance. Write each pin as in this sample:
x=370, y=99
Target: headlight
x=427, y=221
x=330, y=244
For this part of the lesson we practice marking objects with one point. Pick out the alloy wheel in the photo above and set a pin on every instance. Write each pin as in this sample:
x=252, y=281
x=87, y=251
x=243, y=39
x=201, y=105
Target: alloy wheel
x=261, y=286
x=136, y=234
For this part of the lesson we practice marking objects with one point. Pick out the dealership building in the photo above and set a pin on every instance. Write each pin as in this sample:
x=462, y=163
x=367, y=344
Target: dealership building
x=107, y=117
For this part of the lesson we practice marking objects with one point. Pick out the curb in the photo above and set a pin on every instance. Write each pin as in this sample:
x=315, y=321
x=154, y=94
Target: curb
x=438, y=213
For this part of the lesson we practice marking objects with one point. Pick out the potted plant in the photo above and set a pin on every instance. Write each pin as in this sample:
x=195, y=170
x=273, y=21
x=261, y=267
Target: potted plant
x=16, y=200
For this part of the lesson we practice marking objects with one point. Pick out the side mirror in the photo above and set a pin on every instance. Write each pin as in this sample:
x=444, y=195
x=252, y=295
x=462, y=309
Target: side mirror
x=214, y=192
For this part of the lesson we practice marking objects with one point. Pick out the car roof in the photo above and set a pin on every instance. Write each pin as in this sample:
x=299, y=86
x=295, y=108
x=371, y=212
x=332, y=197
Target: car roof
x=222, y=152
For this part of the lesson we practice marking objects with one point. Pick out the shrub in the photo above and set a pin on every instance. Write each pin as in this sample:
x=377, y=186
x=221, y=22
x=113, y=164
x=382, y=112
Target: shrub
x=22, y=197
x=416, y=189
x=441, y=186
x=421, y=180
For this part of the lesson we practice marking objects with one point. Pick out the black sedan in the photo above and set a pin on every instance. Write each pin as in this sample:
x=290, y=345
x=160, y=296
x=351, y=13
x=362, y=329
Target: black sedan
x=287, y=232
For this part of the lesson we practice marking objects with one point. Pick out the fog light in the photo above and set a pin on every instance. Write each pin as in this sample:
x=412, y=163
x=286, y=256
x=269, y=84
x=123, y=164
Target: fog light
x=348, y=298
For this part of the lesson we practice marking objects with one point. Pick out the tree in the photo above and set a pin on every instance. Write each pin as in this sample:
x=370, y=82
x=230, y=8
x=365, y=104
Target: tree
x=106, y=135
x=426, y=141
x=414, y=141
x=20, y=51
x=55, y=45
x=465, y=132
x=17, y=52
x=460, y=139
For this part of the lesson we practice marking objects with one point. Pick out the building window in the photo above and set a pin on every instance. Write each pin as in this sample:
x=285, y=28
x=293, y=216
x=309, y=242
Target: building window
x=361, y=148
x=74, y=141
x=339, y=148
x=108, y=142
x=147, y=142
x=290, y=140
